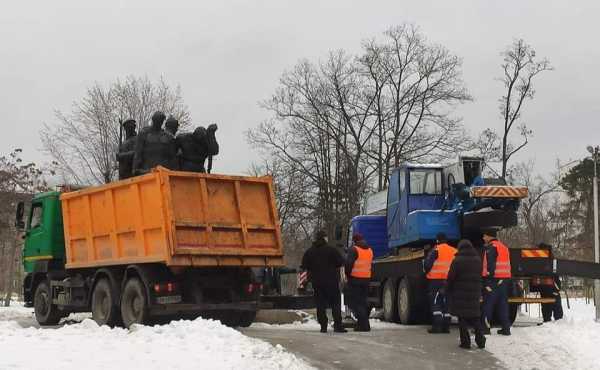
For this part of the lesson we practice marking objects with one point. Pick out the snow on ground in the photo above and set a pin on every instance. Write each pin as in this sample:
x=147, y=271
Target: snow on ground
x=198, y=344
x=570, y=343
x=309, y=323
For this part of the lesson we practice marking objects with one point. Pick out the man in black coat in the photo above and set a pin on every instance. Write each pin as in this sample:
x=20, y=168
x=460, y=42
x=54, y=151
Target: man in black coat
x=463, y=289
x=323, y=262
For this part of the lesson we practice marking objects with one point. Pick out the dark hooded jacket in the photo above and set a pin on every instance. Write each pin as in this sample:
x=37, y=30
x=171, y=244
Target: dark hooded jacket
x=463, y=286
x=322, y=262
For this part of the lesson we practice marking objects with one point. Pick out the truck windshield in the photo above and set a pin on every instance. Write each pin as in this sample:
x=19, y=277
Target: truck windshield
x=426, y=181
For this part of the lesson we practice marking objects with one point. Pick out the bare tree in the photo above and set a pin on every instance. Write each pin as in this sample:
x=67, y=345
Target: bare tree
x=18, y=181
x=344, y=122
x=84, y=142
x=520, y=67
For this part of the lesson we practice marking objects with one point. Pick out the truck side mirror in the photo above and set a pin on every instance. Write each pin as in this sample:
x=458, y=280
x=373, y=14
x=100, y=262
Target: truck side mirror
x=19, y=223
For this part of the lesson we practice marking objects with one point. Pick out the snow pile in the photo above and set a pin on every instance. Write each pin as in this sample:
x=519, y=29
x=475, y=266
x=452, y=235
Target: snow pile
x=570, y=343
x=198, y=344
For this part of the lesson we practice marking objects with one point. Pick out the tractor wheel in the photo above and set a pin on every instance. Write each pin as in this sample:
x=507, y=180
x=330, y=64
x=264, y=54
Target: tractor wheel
x=389, y=301
x=46, y=313
x=105, y=310
x=134, y=304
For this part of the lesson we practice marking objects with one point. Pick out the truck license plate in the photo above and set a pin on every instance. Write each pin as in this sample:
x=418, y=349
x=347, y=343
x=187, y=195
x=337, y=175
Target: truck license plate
x=168, y=299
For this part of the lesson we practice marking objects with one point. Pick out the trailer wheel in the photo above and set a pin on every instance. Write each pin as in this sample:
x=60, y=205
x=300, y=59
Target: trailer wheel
x=407, y=302
x=134, y=305
x=104, y=310
x=46, y=313
x=247, y=318
x=389, y=302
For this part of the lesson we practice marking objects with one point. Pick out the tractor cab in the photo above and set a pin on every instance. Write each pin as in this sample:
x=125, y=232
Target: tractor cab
x=416, y=206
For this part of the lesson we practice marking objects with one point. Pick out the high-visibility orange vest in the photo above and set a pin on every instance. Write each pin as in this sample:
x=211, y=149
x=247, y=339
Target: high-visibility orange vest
x=362, y=265
x=441, y=266
x=503, y=268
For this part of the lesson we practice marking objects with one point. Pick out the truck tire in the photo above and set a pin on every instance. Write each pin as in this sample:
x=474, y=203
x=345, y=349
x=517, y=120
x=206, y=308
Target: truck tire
x=46, y=313
x=389, y=301
x=134, y=304
x=407, y=302
x=105, y=311
x=247, y=318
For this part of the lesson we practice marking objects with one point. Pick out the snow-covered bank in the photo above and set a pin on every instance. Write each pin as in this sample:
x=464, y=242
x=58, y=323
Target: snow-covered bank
x=198, y=344
x=570, y=343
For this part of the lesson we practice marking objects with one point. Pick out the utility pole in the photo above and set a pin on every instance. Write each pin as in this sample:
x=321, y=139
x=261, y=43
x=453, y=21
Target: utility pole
x=595, y=152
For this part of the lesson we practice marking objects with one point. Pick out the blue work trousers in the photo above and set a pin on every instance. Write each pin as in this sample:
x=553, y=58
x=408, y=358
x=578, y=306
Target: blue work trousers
x=495, y=299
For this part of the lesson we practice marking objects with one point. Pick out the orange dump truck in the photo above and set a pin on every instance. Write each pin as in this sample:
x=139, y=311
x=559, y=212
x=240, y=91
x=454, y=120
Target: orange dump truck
x=159, y=245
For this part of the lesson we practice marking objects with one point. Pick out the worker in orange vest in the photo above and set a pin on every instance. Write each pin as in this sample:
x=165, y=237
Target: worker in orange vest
x=358, y=269
x=436, y=267
x=496, y=274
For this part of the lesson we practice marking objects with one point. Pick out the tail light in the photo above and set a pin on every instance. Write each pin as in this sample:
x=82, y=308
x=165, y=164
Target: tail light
x=162, y=288
x=253, y=287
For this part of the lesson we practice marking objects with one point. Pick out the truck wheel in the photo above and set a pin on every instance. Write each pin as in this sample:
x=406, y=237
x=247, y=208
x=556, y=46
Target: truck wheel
x=134, y=305
x=104, y=309
x=390, y=303
x=406, y=302
x=247, y=318
x=46, y=313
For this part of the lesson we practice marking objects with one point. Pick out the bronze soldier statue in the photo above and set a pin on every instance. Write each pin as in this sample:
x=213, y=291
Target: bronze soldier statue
x=212, y=147
x=193, y=152
x=154, y=147
x=126, y=150
x=172, y=125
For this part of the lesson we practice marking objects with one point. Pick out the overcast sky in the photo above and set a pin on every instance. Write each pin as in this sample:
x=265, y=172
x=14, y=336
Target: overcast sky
x=227, y=56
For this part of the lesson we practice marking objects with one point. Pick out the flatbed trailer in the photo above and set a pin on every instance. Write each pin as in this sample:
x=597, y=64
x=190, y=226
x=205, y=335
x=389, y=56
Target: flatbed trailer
x=399, y=286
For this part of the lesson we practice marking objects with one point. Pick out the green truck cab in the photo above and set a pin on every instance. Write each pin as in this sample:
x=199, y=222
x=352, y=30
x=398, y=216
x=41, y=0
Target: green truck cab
x=44, y=236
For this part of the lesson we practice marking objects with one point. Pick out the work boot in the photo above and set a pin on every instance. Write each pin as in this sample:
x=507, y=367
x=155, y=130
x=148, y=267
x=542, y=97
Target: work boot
x=505, y=331
x=323, y=328
x=480, y=340
x=339, y=329
x=465, y=345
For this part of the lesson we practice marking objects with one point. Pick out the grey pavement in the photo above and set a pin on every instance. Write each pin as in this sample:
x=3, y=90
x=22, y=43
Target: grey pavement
x=403, y=348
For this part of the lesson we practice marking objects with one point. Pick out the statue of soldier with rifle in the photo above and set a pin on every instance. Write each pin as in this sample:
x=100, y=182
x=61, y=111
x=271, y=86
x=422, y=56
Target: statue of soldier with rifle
x=126, y=149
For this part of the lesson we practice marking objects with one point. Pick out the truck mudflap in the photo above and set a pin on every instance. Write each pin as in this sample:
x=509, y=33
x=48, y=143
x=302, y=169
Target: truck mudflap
x=191, y=308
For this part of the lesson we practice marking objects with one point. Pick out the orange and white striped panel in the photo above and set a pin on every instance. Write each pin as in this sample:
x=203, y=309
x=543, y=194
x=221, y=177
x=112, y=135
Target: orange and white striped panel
x=535, y=253
x=500, y=191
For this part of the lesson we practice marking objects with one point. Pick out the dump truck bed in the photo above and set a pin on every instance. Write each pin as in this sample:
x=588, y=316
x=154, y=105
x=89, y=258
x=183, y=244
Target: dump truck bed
x=176, y=218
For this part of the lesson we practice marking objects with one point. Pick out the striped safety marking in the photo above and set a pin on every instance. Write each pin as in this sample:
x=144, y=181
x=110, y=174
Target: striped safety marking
x=499, y=192
x=535, y=253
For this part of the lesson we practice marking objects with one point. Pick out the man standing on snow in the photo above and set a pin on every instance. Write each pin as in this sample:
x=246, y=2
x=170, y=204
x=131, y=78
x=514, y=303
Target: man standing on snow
x=436, y=267
x=463, y=289
x=358, y=269
x=496, y=273
x=323, y=262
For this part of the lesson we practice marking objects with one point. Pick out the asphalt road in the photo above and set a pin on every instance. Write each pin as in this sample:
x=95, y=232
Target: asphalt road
x=388, y=348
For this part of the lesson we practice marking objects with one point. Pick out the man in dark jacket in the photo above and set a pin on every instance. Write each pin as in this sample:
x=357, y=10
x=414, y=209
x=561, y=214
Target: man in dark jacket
x=358, y=270
x=322, y=263
x=463, y=289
